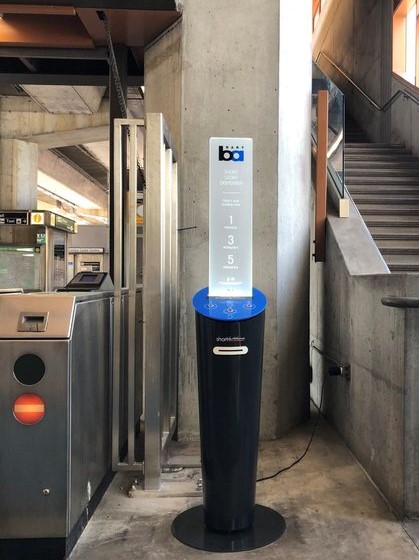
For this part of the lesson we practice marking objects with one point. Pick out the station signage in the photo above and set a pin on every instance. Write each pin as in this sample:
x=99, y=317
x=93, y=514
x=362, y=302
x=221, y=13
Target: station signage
x=65, y=224
x=14, y=218
x=230, y=217
x=53, y=220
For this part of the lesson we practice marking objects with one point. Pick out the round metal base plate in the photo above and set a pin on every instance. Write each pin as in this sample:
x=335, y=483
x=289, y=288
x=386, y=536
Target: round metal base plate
x=190, y=529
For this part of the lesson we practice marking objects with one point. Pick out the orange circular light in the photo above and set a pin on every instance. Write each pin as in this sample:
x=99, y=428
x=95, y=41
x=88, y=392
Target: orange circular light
x=29, y=409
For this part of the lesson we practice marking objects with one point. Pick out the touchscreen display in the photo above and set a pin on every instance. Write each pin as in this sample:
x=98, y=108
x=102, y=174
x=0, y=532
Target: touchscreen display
x=89, y=278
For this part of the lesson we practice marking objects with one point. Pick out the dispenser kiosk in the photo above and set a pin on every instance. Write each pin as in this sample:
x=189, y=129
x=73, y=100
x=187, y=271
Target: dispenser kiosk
x=230, y=317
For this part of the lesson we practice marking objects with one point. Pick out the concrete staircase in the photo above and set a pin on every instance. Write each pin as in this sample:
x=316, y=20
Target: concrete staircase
x=383, y=180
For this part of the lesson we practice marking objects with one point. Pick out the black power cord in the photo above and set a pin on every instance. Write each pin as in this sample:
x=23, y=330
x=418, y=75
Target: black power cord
x=313, y=432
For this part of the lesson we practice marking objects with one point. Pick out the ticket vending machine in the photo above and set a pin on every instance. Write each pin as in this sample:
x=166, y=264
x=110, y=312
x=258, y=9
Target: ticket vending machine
x=230, y=317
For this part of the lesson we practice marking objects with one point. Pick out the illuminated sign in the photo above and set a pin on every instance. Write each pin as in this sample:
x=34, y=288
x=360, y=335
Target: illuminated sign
x=230, y=217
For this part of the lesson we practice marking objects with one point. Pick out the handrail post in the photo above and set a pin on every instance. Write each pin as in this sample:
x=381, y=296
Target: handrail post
x=321, y=175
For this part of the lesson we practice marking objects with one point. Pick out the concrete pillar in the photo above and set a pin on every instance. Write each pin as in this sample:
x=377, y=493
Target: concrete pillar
x=239, y=78
x=18, y=174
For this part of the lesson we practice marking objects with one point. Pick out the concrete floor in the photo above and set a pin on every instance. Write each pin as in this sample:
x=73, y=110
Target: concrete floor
x=332, y=510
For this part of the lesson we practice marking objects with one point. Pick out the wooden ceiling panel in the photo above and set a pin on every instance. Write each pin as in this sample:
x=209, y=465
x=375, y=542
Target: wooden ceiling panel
x=134, y=28
x=18, y=30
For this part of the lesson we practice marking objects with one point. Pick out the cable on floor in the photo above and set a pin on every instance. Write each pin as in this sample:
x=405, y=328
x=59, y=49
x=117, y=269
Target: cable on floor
x=313, y=432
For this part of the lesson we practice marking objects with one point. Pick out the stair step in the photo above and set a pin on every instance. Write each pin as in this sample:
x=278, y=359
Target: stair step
x=399, y=190
x=399, y=251
x=365, y=180
x=371, y=198
x=381, y=172
x=370, y=158
x=391, y=210
x=357, y=151
x=375, y=145
x=402, y=259
x=394, y=246
x=392, y=222
x=383, y=165
x=404, y=267
x=393, y=235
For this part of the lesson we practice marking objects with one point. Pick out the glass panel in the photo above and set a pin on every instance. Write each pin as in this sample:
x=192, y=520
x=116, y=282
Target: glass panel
x=411, y=45
x=335, y=153
x=20, y=267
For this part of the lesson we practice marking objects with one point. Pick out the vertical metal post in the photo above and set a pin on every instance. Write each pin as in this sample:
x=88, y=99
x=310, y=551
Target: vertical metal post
x=321, y=175
x=174, y=319
x=167, y=370
x=152, y=304
x=115, y=111
x=117, y=280
x=132, y=286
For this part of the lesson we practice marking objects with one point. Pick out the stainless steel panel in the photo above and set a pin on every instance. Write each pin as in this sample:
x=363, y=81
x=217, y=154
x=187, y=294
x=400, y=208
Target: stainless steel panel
x=60, y=309
x=166, y=369
x=174, y=295
x=117, y=280
x=127, y=376
x=34, y=458
x=132, y=287
x=89, y=437
x=153, y=297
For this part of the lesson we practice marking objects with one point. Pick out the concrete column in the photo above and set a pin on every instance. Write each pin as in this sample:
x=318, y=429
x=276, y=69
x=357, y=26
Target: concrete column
x=234, y=68
x=18, y=174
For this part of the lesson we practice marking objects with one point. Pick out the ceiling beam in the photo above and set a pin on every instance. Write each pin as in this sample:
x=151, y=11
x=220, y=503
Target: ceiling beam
x=99, y=53
x=169, y=5
x=7, y=79
x=37, y=9
x=75, y=137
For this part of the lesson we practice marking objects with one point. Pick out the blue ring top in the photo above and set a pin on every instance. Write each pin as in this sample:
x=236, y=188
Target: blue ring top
x=229, y=309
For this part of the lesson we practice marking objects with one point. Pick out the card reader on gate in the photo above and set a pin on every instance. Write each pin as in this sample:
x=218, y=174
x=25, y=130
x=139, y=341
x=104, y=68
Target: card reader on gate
x=89, y=282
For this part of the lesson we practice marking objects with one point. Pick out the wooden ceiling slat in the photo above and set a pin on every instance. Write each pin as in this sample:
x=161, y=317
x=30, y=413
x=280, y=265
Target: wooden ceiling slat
x=128, y=27
x=39, y=31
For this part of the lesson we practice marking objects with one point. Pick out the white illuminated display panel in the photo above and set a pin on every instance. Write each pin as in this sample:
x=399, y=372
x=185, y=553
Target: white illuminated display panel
x=230, y=217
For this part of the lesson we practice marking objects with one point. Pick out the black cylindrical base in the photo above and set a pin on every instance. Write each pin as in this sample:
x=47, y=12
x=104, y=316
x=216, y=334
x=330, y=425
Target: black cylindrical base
x=190, y=529
x=229, y=402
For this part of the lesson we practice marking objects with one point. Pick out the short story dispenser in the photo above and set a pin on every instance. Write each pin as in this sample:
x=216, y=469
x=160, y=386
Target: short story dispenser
x=230, y=317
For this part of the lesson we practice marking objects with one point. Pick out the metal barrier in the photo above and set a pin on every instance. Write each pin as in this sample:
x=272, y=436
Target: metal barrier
x=160, y=303
x=159, y=319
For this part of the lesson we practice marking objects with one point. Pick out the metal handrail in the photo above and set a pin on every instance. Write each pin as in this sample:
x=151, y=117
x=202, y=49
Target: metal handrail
x=386, y=105
x=401, y=302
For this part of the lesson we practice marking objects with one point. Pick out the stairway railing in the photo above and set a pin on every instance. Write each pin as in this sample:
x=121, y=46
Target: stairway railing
x=335, y=126
x=382, y=108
